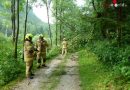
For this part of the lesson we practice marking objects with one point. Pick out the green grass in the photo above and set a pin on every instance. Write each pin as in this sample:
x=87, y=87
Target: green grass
x=12, y=83
x=93, y=74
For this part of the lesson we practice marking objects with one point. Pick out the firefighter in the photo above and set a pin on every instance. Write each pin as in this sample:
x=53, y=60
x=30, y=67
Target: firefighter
x=41, y=46
x=29, y=55
x=64, y=46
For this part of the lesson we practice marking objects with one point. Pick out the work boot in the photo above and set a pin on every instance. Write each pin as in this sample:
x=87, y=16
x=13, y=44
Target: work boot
x=32, y=74
x=38, y=67
x=44, y=65
x=30, y=77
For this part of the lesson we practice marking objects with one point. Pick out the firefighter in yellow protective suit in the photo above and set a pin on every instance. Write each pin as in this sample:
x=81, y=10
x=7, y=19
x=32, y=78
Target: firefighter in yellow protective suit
x=64, y=46
x=28, y=55
x=41, y=46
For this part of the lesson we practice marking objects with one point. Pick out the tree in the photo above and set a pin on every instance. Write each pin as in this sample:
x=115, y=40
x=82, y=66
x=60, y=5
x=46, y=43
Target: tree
x=26, y=18
x=56, y=23
x=47, y=3
x=66, y=16
x=25, y=29
x=13, y=18
x=17, y=33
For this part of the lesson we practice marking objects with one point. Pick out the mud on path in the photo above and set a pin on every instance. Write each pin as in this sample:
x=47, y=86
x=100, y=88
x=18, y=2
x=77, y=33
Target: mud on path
x=70, y=80
x=40, y=76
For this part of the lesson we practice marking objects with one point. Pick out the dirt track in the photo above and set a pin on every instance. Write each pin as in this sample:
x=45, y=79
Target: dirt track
x=68, y=81
x=40, y=76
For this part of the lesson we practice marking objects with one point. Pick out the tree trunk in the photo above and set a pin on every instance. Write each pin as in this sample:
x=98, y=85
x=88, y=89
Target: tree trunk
x=13, y=19
x=6, y=31
x=25, y=29
x=119, y=28
x=17, y=33
x=56, y=23
x=61, y=33
x=26, y=18
x=12, y=11
x=119, y=36
x=94, y=6
x=50, y=34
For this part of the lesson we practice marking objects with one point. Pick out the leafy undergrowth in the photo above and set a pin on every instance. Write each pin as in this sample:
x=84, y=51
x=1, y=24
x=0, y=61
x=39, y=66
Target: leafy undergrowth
x=96, y=76
x=53, y=52
x=9, y=67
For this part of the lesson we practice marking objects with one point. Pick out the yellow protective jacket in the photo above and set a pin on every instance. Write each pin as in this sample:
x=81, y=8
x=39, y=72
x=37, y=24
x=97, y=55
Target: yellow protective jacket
x=64, y=44
x=28, y=51
x=41, y=45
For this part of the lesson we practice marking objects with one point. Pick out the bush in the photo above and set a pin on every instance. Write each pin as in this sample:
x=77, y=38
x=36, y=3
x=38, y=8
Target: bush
x=106, y=52
x=77, y=43
x=9, y=68
x=53, y=52
x=116, y=58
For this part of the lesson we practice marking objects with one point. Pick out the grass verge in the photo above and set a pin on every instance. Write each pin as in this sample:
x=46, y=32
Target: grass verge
x=93, y=74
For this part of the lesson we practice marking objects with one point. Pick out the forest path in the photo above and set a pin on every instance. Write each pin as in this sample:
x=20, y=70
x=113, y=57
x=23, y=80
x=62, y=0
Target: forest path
x=40, y=76
x=70, y=80
x=67, y=81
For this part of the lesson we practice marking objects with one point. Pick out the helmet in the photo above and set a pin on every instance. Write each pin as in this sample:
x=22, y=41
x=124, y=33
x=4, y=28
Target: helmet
x=41, y=35
x=64, y=38
x=28, y=36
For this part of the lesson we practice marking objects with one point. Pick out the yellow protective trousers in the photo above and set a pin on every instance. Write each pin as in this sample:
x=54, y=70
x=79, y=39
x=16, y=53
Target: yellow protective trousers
x=29, y=65
x=64, y=51
x=41, y=56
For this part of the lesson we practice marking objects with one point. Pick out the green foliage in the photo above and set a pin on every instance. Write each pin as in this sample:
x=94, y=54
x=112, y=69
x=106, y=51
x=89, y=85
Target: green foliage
x=82, y=26
x=9, y=68
x=53, y=52
x=106, y=52
x=117, y=59
x=125, y=71
x=93, y=74
x=109, y=53
x=77, y=43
